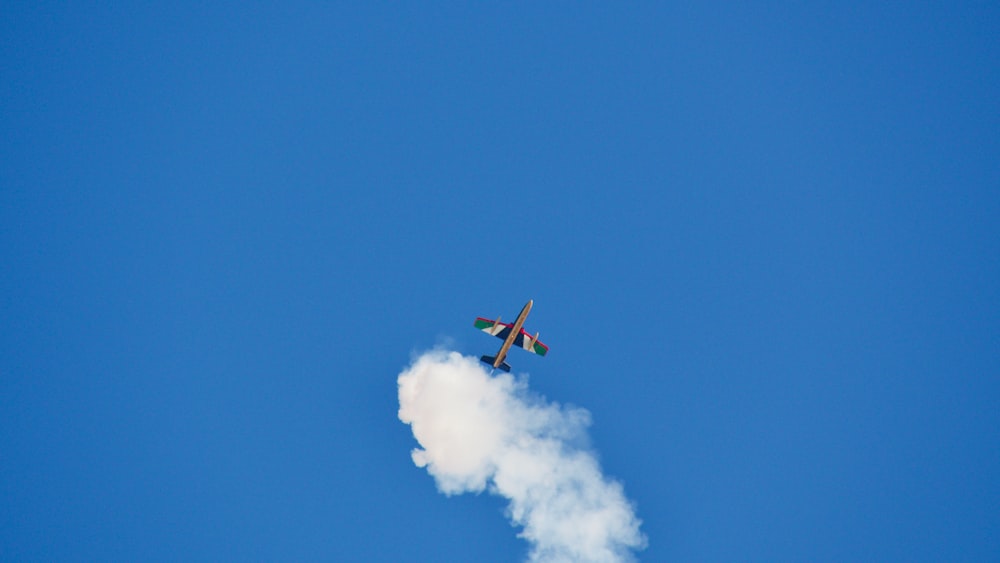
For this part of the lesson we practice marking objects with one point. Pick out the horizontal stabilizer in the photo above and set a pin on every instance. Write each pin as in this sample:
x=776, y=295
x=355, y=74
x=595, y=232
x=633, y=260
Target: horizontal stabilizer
x=491, y=359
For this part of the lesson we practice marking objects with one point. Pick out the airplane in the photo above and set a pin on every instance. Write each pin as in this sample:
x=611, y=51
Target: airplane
x=513, y=335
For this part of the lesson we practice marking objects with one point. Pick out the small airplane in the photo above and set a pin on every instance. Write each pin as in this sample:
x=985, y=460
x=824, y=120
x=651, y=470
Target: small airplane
x=513, y=335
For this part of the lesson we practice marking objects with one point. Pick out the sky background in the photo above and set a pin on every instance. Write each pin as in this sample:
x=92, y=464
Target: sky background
x=761, y=239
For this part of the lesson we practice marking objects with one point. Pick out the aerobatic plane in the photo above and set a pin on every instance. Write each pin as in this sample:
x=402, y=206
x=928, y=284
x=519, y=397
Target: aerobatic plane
x=513, y=334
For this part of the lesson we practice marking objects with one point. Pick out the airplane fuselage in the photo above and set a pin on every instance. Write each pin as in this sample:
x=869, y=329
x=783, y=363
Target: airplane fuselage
x=515, y=330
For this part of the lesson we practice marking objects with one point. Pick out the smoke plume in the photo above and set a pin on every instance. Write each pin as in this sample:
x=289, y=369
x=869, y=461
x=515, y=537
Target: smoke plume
x=478, y=432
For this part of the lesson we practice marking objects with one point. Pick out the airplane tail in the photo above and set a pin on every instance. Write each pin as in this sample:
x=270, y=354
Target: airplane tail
x=490, y=359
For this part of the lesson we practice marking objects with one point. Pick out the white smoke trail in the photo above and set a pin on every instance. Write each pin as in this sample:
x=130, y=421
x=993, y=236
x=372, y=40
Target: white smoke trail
x=478, y=431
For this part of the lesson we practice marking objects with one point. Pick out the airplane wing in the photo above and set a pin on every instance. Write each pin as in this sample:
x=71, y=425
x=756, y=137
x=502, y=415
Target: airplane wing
x=498, y=329
x=526, y=341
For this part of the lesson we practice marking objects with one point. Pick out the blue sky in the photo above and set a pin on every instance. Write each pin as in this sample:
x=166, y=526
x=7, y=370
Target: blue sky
x=761, y=240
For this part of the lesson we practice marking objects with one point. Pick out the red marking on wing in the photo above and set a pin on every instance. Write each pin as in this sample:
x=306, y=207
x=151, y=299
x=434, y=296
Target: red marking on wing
x=508, y=325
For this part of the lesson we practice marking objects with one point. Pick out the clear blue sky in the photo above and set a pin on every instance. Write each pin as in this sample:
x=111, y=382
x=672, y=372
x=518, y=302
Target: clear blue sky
x=761, y=239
